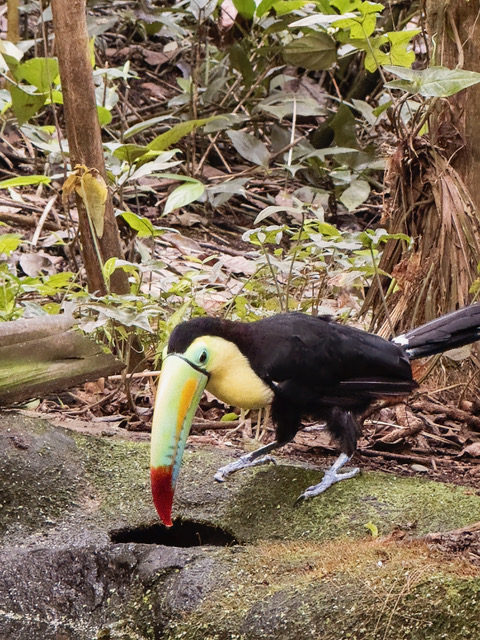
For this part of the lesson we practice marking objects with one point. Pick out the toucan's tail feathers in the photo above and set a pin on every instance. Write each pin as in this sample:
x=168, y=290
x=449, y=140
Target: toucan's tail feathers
x=448, y=332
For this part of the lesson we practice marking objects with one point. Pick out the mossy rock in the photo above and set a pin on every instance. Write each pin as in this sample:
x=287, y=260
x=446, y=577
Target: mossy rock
x=349, y=591
x=261, y=503
x=330, y=568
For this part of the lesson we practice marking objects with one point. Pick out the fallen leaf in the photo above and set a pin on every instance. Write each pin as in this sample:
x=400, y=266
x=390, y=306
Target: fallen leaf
x=471, y=450
x=239, y=264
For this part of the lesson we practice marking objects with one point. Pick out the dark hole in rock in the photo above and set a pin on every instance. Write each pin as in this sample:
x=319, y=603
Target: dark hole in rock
x=183, y=533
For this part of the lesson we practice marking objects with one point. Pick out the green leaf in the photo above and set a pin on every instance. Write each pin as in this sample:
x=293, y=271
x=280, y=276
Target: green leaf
x=22, y=181
x=366, y=8
x=109, y=268
x=372, y=528
x=343, y=125
x=145, y=124
x=39, y=72
x=284, y=7
x=346, y=5
x=9, y=242
x=355, y=194
x=434, y=82
x=25, y=105
x=183, y=195
x=264, y=7
x=315, y=52
x=246, y=8
x=249, y=147
x=241, y=62
x=269, y=211
x=176, y=133
x=229, y=417
x=130, y=152
x=104, y=116
x=142, y=226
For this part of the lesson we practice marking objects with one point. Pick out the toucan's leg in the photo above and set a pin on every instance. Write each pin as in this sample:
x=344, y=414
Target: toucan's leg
x=262, y=422
x=331, y=476
x=249, y=460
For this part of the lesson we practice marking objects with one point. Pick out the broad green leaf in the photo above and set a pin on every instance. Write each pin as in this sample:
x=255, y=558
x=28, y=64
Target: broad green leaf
x=9, y=242
x=366, y=8
x=285, y=104
x=104, y=116
x=366, y=110
x=246, y=8
x=346, y=5
x=355, y=194
x=183, y=195
x=343, y=125
x=141, y=126
x=402, y=37
x=39, y=72
x=269, y=211
x=434, y=82
x=22, y=181
x=284, y=7
x=241, y=62
x=109, y=268
x=360, y=27
x=25, y=105
x=264, y=7
x=141, y=225
x=56, y=97
x=373, y=238
x=411, y=75
x=249, y=147
x=53, y=284
x=130, y=152
x=176, y=133
x=161, y=162
x=315, y=52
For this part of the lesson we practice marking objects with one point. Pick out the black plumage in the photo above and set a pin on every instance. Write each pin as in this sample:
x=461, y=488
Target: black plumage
x=329, y=371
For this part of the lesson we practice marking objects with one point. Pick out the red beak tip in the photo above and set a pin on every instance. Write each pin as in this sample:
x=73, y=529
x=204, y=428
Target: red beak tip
x=162, y=492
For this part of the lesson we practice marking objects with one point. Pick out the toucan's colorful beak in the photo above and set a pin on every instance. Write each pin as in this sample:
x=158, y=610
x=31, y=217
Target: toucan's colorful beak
x=179, y=391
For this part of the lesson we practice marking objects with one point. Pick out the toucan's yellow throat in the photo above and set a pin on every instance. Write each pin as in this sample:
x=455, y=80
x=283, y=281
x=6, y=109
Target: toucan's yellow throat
x=231, y=378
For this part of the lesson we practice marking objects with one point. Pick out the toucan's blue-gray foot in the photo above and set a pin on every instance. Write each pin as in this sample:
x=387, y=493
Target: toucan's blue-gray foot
x=260, y=456
x=331, y=477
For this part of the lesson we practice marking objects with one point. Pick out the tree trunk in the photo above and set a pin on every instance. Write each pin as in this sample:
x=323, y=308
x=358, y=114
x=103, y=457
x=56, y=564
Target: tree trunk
x=84, y=137
x=13, y=21
x=454, y=27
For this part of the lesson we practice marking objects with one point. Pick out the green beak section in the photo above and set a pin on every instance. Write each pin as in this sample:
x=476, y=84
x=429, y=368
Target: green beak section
x=179, y=391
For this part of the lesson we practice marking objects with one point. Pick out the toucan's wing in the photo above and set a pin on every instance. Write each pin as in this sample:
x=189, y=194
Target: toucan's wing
x=320, y=356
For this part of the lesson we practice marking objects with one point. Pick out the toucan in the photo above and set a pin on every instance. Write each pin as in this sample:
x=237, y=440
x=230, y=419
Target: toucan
x=301, y=365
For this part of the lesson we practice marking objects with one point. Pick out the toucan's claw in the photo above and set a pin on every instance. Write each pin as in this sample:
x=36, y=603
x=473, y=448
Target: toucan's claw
x=242, y=463
x=331, y=477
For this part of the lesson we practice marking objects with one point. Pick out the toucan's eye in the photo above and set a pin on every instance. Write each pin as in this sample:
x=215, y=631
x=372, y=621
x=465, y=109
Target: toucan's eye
x=203, y=357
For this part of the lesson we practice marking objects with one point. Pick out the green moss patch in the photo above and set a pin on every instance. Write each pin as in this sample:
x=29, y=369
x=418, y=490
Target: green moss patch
x=40, y=477
x=367, y=591
x=259, y=504
x=118, y=472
